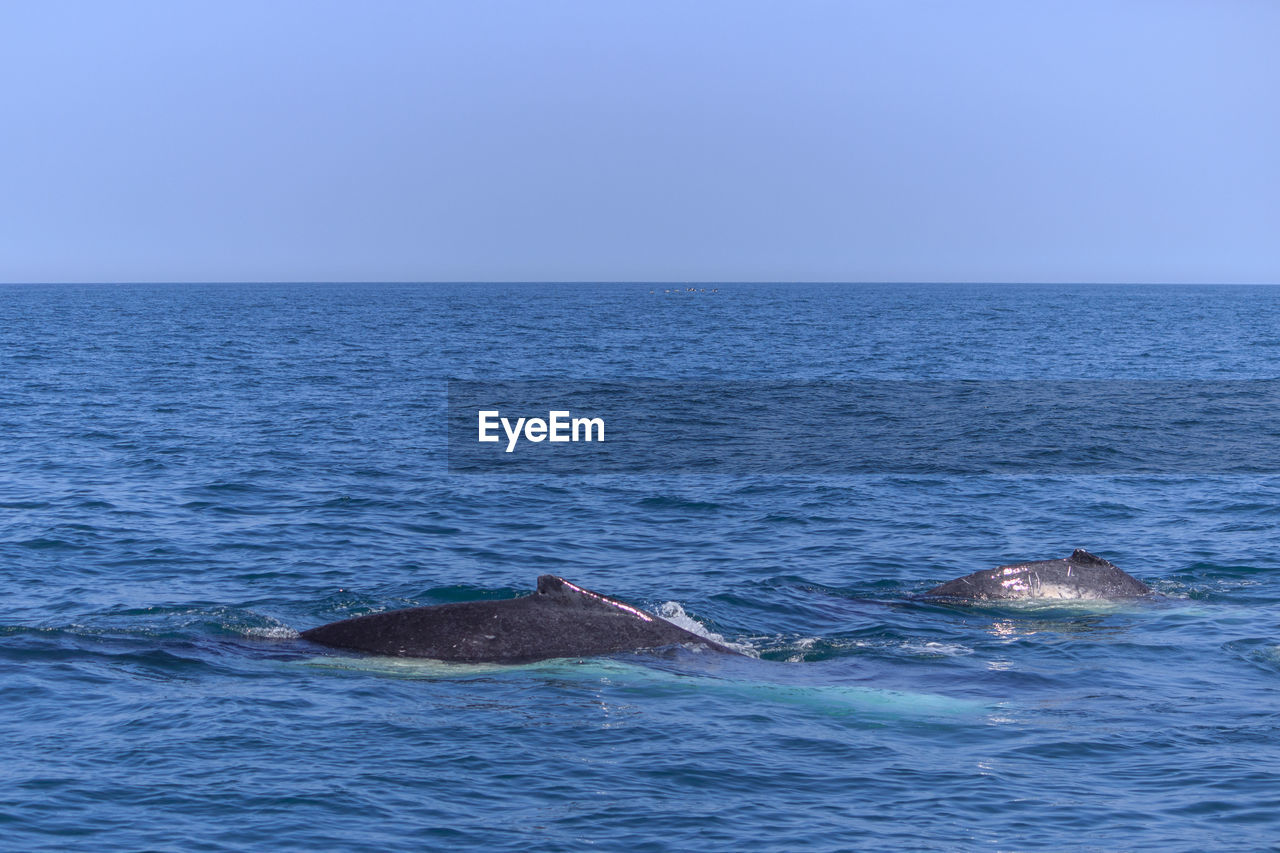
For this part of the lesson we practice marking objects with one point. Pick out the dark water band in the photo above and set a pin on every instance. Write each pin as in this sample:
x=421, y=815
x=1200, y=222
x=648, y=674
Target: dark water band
x=868, y=427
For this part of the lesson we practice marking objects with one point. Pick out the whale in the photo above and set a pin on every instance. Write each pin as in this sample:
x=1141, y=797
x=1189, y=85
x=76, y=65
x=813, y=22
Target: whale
x=1081, y=576
x=558, y=619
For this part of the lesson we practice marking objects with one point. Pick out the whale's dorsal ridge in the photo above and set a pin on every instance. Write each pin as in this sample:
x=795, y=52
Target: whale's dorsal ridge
x=552, y=585
x=555, y=590
x=1081, y=557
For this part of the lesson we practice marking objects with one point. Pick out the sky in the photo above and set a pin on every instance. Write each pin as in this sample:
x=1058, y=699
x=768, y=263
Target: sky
x=640, y=140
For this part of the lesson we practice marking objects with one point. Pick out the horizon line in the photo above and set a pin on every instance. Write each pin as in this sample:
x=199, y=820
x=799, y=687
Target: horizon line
x=644, y=282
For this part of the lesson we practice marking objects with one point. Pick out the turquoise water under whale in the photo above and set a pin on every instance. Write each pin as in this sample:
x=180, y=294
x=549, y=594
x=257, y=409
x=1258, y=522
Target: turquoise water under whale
x=191, y=474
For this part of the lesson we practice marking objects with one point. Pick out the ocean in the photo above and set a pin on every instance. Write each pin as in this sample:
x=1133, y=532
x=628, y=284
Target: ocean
x=191, y=474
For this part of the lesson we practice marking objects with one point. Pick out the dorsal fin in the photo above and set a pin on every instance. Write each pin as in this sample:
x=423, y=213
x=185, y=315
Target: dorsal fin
x=1083, y=558
x=551, y=584
x=565, y=592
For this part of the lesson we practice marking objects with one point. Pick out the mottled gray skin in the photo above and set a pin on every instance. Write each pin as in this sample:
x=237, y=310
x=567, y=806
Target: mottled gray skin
x=1082, y=576
x=559, y=620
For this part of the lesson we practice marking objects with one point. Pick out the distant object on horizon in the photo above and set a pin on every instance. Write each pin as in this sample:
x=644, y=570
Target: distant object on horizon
x=558, y=620
x=1080, y=577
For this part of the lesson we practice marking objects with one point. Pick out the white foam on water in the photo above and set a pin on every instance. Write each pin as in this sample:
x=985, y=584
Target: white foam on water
x=801, y=647
x=939, y=649
x=271, y=632
x=675, y=613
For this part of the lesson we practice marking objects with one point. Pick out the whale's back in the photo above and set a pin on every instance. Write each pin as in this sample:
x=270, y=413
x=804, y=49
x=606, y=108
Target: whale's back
x=1082, y=576
x=559, y=620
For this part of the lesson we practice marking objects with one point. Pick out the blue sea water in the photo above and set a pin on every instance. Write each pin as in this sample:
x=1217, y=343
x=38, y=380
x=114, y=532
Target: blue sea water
x=191, y=474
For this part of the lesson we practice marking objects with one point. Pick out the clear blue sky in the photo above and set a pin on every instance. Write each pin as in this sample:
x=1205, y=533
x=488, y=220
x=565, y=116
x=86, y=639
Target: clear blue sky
x=1085, y=140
